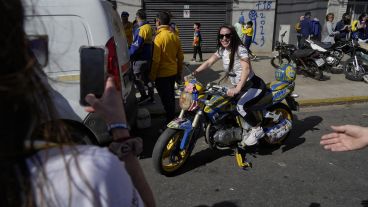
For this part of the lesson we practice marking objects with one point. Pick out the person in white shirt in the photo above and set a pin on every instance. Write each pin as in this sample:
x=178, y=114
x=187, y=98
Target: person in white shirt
x=41, y=164
x=247, y=88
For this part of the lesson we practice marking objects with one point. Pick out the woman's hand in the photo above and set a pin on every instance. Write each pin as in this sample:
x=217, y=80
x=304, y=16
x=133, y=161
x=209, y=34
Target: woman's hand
x=345, y=138
x=110, y=106
x=232, y=92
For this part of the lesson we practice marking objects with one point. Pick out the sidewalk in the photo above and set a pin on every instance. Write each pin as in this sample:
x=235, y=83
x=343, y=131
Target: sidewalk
x=336, y=90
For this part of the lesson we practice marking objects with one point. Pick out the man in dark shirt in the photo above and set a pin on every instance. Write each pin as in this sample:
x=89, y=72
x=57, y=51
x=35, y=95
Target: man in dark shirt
x=306, y=29
x=343, y=26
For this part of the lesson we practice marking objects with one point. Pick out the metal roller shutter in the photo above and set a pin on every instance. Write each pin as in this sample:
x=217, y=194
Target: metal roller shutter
x=211, y=15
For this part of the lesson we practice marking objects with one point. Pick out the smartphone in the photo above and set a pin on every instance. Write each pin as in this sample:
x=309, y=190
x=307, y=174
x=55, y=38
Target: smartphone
x=93, y=62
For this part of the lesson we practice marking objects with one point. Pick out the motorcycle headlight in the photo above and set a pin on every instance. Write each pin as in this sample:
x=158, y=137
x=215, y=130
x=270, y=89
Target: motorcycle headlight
x=185, y=100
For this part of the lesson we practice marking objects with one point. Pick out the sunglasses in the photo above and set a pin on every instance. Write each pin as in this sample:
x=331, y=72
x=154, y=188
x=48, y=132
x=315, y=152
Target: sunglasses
x=221, y=36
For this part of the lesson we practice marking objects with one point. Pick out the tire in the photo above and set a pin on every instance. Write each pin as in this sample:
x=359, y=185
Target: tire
x=350, y=72
x=314, y=71
x=275, y=61
x=168, y=144
x=286, y=114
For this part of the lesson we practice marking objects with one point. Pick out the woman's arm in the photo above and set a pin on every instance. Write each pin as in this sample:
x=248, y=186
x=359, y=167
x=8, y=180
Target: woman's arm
x=207, y=64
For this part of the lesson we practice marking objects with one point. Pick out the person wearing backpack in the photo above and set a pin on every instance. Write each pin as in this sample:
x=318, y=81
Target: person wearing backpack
x=358, y=27
x=298, y=30
x=306, y=29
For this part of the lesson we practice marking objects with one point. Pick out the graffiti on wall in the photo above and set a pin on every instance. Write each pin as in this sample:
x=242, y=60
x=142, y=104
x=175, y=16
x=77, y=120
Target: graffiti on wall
x=259, y=19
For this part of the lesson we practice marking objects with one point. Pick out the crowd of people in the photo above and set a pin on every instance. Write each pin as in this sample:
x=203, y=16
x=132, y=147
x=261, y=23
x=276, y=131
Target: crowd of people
x=331, y=31
x=51, y=170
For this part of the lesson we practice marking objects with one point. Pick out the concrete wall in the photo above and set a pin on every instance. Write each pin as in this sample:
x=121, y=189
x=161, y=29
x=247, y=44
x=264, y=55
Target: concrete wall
x=262, y=13
x=289, y=11
x=131, y=6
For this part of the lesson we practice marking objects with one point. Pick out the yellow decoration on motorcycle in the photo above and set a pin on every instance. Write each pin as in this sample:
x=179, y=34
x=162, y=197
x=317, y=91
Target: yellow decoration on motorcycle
x=285, y=72
x=217, y=102
x=192, y=83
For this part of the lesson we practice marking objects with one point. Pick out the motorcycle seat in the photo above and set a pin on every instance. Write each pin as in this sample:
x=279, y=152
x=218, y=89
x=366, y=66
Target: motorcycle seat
x=323, y=45
x=303, y=53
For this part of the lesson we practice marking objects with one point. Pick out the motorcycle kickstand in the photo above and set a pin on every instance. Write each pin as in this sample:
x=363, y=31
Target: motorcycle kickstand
x=241, y=159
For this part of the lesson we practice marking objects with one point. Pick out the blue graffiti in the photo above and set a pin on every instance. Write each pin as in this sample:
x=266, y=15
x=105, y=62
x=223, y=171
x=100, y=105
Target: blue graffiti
x=253, y=17
x=264, y=5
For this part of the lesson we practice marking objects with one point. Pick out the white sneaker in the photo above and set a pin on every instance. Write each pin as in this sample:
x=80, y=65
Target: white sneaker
x=253, y=136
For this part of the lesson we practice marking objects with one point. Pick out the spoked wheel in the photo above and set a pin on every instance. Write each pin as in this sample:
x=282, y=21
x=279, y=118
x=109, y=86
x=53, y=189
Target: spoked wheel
x=167, y=156
x=350, y=71
x=276, y=62
x=286, y=114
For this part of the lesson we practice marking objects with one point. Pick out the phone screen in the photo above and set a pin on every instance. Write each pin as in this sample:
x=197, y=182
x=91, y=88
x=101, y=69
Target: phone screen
x=92, y=72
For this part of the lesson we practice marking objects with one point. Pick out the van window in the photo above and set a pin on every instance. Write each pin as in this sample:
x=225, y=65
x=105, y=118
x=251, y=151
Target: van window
x=66, y=34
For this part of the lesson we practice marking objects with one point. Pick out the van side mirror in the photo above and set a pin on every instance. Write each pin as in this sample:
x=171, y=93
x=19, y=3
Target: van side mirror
x=39, y=48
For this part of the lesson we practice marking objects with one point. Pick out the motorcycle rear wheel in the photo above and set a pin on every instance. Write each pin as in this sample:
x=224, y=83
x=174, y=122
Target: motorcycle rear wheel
x=314, y=71
x=166, y=156
x=276, y=62
x=351, y=73
x=286, y=114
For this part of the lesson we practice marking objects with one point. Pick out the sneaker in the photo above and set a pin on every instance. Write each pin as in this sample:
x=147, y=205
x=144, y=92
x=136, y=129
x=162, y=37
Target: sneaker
x=193, y=59
x=252, y=137
x=143, y=99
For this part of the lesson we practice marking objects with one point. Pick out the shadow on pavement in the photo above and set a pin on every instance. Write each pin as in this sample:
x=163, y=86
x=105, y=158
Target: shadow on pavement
x=202, y=158
x=295, y=138
x=221, y=204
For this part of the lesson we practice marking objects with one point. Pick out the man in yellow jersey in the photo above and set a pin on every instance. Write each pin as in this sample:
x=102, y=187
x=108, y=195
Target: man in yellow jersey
x=167, y=63
x=248, y=34
x=128, y=27
x=141, y=57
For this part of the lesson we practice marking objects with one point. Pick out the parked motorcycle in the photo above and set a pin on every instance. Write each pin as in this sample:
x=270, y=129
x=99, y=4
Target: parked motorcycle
x=332, y=54
x=356, y=67
x=208, y=110
x=308, y=61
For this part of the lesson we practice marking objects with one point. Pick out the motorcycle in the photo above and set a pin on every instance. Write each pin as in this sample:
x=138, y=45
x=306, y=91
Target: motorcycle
x=356, y=67
x=332, y=54
x=207, y=110
x=308, y=61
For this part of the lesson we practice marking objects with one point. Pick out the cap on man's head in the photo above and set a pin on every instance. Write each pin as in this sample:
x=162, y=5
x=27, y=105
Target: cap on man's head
x=241, y=19
x=307, y=14
x=124, y=14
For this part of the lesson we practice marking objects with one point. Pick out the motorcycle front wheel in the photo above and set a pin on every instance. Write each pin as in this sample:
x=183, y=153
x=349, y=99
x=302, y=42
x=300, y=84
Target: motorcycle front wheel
x=351, y=73
x=167, y=156
x=286, y=113
x=277, y=61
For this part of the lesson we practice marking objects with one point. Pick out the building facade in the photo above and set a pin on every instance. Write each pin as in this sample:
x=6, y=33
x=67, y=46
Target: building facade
x=270, y=17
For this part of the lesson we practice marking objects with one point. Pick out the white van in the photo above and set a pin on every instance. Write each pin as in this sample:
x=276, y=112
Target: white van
x=68, y=25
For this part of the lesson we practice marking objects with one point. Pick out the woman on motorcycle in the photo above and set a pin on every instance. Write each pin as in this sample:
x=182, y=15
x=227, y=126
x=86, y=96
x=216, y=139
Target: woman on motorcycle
x=247, y=87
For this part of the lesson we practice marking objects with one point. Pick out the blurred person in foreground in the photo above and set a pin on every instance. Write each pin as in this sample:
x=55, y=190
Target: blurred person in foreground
x=345, y=138
x=167, y=63
x=41, y=164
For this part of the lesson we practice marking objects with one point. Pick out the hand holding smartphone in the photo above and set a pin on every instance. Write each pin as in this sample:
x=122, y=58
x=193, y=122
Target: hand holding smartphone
x=93, y=61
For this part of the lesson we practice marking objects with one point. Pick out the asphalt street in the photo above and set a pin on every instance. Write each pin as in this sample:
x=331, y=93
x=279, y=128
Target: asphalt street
x=298, y=173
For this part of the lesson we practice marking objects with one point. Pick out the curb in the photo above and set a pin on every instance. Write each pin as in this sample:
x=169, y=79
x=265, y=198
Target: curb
x=302, y=103
x=332, y=101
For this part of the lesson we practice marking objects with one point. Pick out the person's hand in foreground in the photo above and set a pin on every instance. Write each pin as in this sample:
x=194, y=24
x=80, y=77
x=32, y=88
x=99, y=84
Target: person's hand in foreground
x=345, y=138
x=110, y=106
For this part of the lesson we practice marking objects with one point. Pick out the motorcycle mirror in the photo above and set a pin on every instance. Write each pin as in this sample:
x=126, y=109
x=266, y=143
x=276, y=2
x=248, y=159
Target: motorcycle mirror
x=38, y=46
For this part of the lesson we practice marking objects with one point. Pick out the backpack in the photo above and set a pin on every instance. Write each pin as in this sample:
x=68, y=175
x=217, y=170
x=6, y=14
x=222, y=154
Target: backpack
x=297, y=27
x=354, y=25
x=316, y=28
